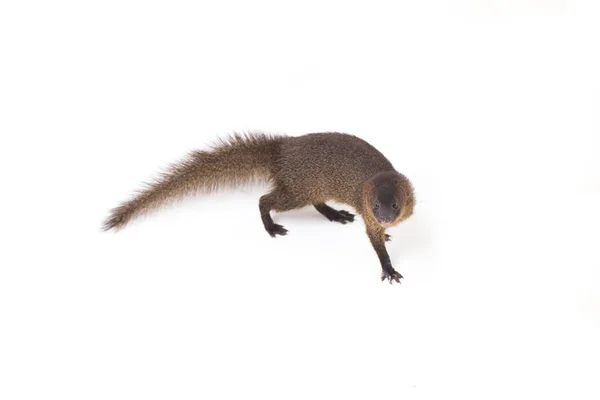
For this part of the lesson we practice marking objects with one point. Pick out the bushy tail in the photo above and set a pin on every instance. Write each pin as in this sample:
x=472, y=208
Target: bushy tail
x=233, y=161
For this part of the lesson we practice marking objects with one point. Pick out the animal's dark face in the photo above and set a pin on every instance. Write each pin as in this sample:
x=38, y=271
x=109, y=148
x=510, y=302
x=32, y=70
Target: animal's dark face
x=387, y=203
x=389, y=198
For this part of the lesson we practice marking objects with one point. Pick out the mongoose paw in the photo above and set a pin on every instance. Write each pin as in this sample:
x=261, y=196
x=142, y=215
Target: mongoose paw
x=275, y=230
x=341, y=216
x=391, y=275
x=388, y=238
x=348, y=216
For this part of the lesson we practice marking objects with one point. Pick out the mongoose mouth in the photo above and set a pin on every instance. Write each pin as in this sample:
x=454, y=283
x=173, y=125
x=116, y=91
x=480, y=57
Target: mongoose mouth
x=386, y=223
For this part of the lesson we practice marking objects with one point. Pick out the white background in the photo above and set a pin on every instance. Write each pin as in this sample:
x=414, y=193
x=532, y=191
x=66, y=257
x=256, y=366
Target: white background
x=490, y=107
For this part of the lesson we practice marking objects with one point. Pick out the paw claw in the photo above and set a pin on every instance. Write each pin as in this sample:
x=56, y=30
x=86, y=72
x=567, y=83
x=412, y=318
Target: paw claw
x=392, y=276
x=348, y=216
x=275, y=230
x=342, y=216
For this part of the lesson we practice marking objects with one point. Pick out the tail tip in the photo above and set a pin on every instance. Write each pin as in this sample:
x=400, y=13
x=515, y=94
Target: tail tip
x=115, y=221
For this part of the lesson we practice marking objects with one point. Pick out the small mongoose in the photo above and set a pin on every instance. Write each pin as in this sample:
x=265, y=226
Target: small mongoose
x=304, y=170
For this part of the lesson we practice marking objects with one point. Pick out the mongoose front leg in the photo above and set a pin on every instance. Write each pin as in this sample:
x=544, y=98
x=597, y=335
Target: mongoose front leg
x=378, y=237
x=332, y=214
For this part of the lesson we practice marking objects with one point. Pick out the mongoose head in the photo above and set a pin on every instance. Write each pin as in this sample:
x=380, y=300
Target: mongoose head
x=389, y=198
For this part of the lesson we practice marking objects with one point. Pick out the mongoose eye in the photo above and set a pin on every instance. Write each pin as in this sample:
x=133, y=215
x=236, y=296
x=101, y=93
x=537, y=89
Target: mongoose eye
x=395, y=206
x=376, y=205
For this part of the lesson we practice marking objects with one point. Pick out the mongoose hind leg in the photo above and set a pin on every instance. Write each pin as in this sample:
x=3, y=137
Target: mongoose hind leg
x=332, y=214
x=276, y=200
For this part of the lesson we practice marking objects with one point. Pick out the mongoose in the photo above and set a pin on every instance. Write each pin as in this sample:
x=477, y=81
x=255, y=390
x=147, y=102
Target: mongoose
x=305, y=170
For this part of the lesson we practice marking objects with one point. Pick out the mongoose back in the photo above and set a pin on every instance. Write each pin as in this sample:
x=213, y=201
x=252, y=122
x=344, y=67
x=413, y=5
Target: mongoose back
x=311, y=169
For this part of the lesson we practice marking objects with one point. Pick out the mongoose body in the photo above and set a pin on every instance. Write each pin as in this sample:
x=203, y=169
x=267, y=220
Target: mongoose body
x=305, y=170
x=333, y=167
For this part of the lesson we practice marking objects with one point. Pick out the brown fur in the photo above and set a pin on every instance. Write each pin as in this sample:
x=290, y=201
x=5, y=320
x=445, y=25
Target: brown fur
x=305, y=170
x=235, y=161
